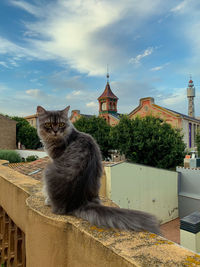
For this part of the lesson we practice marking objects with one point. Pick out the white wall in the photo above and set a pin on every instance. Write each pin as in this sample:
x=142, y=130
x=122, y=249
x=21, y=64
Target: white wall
x=25, y=153
x=144, y=188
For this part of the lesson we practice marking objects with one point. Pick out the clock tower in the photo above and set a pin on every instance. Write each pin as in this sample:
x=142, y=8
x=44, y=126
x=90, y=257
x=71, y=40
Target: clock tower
x=107, y=103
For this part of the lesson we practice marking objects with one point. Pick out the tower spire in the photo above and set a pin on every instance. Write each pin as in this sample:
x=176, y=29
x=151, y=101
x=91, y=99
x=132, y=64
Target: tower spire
x=108, y=76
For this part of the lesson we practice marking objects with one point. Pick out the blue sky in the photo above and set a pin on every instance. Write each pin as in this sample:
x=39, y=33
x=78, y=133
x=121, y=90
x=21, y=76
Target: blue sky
x=55, y=53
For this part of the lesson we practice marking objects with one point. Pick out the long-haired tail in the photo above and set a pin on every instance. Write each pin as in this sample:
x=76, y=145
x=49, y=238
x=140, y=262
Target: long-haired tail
x=124, y=219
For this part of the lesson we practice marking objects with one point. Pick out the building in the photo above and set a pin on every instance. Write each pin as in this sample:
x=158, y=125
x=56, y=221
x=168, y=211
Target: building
x=75, y=115
x=188, y=125
x=108, y=105
x=33, y=120
x=7, y=133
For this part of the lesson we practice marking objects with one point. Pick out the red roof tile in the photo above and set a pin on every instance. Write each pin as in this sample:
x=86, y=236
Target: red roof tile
x=108, y=92
x=33, y=169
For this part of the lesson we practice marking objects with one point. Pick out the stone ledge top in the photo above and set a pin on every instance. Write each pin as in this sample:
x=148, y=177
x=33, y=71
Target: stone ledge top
x=135, y=248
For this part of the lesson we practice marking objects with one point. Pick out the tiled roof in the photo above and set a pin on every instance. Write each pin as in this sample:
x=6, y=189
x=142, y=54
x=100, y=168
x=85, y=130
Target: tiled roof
x=33, y=169
x=183, y=115
x=115, y=115
x=108, y=92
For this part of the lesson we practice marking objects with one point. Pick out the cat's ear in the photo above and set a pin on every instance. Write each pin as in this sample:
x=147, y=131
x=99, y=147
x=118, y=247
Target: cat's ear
x=66, y=110
x=40, y=110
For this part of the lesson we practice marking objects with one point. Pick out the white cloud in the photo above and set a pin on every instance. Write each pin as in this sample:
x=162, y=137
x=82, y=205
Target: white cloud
x=4, y=64
x=156, y=68
x=74, y=94
x=180, y=7
x=36, y=93
x=78, y=33
x=176, y=101
x=137, y=59
x=159, y=67
x=27, y=7
x=92, y=104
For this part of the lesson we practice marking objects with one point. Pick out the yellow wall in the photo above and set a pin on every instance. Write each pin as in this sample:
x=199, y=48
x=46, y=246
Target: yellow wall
x=53, y=240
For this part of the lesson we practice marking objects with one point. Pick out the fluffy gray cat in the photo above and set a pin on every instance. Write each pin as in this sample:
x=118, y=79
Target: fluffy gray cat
x=72, y=178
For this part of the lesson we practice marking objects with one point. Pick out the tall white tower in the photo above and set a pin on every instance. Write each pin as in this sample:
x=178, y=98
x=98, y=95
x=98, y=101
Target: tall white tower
x=191, y=95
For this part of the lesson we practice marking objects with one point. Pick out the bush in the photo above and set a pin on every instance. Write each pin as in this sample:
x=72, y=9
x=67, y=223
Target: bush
x=31, y=158
x=10, y=155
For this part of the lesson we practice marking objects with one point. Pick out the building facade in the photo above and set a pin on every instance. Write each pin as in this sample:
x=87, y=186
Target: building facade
x=7, y=133
x=188, y=125
x=33, y=120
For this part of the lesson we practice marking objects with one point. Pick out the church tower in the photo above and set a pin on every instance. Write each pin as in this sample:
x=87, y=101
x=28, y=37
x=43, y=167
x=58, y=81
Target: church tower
x=107, y=103
x=191, y=95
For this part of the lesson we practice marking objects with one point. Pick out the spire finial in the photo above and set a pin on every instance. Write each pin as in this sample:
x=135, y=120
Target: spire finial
x=190, y=76
x=108, y=76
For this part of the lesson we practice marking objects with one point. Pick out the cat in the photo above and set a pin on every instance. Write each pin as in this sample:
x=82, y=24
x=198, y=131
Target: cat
x=72, y=178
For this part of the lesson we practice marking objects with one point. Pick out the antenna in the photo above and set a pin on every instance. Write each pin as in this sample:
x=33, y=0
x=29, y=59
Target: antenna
x=108, y=76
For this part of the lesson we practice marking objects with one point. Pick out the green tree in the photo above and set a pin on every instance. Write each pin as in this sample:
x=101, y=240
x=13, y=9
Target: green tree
x=26, y=134
x=98, y=128
x=149, y=141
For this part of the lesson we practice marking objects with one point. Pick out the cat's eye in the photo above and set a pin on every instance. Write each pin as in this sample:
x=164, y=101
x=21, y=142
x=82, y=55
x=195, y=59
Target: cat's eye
x=61, y=124
x=47, y=125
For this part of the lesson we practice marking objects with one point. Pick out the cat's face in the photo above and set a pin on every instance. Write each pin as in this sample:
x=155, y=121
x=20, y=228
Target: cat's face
x=52, y=124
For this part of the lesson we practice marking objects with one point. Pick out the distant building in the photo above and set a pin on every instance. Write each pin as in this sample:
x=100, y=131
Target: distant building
x=7, y=133
x=76, y=115
x=189, y=125
x=191, y=96
x=108, y=105
x=33, y=120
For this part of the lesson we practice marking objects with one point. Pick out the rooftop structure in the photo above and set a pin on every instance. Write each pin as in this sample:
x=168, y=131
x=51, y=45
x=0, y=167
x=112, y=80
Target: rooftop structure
x=108, y=105
x=191, y=96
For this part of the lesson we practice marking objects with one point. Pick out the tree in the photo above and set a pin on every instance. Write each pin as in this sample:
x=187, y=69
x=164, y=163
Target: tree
x=26, y=134
x=98, y=128
x=149, y=141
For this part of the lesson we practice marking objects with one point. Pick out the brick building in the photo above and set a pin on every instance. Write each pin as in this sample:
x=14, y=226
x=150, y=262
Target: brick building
x=75, y=115
x=7, y=133
x=188, y=125
x=108, y=105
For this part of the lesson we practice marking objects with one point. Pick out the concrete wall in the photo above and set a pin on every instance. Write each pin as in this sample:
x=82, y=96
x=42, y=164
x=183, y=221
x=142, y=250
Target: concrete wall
x=144, y=188
x=64, y=241
x=189, y=191
x=7, y=133
x=24, y=153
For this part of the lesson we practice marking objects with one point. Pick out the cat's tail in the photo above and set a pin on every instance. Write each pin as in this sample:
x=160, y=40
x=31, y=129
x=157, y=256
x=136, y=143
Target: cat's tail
x=124, y=219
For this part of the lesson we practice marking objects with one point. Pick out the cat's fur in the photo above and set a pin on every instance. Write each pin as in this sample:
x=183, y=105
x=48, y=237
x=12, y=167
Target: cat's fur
x=72, y=178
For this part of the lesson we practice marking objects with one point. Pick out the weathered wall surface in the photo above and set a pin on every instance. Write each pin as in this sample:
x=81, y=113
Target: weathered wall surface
x=7, y=133
x=189, y=191
x=24, y=153
x=53, y=240
x=144, y=188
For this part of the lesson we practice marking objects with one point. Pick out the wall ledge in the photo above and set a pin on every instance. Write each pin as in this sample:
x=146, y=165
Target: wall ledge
x=67, y=241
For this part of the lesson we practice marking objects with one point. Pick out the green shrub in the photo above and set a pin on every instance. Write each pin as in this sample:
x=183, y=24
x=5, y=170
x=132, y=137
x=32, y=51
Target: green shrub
x=10, y=155
x=31, y=158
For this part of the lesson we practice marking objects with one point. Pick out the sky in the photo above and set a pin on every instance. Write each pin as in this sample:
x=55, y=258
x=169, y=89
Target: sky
x=55, y=53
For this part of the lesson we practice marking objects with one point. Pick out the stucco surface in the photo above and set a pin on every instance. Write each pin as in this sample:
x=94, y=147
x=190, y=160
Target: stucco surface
x=53, y=240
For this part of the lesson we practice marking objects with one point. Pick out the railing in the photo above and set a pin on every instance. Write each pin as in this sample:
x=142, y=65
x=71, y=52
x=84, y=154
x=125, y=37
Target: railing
x=12, y=242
